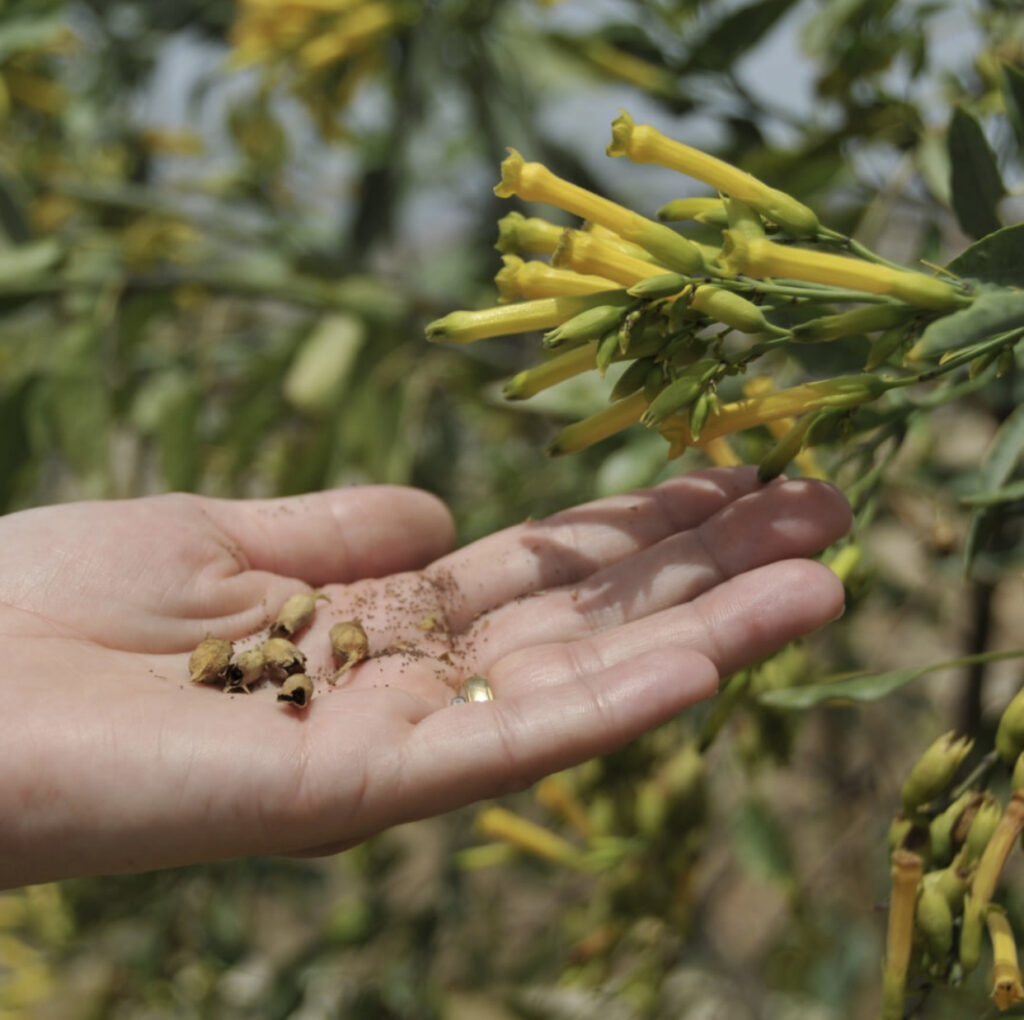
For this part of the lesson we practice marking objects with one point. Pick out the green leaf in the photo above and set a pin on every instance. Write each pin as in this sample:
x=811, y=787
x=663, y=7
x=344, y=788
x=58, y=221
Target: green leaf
x=1013, y=90
x=992, y=312
x=862, y=687
x=1011, y=493
x=727, y=41
x=26, y=260
x=975, y=182
x=996, y=258
x=999, y=462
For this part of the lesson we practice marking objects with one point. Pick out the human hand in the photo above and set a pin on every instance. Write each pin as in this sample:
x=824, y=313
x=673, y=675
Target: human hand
x=592, y=626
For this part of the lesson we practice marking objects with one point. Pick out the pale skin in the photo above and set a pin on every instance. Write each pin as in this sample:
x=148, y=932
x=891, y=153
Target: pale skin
x=592, y=627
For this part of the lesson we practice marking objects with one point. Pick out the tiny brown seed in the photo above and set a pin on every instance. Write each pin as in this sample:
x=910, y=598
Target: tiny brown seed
x=208, y=664
x=246, y=669
x=283, y=658
x=349, y=645
x=297, y=690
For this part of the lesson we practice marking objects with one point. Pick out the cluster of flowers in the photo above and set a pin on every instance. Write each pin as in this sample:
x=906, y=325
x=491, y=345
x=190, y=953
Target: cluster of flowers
x=950, y=845
x=623, y=287
x=325, y=48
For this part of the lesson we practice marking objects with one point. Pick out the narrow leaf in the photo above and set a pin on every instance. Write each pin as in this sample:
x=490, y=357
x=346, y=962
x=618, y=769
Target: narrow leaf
x=975, y=182
x=1002, y=456
x=992, y=312
x=996, y=258
x=1013, y=90
x=738, y=32
x=863, y=687
x=1011, y=493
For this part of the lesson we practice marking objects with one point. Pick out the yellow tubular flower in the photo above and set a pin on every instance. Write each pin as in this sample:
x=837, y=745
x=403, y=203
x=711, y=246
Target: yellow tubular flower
x=1007, y=989
x=549, y=373
x=599, y=426
x=348, y=34
x=585, y=253
x=760, y=257
x=704, y=210
x=907, y=869
x=534, y=182
x=519, y=279
x=843, y=391
x=642, y=143
x=610, y=237
x=464, y=327
x=499, y=823
x=721, y=453
x=530, y=235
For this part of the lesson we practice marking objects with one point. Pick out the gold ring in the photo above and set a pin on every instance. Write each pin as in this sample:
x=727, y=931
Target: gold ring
x=476, y=688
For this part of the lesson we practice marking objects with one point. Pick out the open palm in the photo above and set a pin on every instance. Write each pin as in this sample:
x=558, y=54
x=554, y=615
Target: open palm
x=592, y=627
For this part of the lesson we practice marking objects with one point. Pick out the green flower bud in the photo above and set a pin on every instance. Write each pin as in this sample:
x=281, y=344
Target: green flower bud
x=941, y=828
x=704, y=210
x=1017, y=780
x=632, y=379
x=868, y=319
x=681, y=392
x=899, y=828
x=934, y=771
x=659, y=286
x=587, y=325
x=1010, y=732
x=883, y=347
x=732, y=310
x=779, y=457
x=980, y=831
x=934, y=919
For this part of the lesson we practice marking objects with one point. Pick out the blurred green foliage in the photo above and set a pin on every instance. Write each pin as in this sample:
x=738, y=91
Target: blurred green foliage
x=216, y=261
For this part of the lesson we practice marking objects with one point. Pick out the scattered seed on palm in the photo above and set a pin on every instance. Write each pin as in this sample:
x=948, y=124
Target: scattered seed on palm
x=349, y=645
x=210, y=661
x=297, y=690
x=295, y=614
x=283, y=658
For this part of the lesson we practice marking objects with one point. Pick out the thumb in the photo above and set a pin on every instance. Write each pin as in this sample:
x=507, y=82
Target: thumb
x=339, y=535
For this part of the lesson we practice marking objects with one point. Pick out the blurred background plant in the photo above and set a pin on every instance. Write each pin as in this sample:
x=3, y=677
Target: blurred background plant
x=224, y=227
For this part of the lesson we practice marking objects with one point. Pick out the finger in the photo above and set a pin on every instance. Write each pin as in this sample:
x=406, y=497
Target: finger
x=464, y=753
x=339, y=535
x=732, y=625
x=781, y=521
x=573, y=544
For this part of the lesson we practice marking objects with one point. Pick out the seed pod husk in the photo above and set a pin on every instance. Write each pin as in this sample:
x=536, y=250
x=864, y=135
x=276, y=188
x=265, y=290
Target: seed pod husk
x=283, y=658
x=246, y=669
x=934, y=919
x=208, y=664
x=942, y=842
x=349, y=644
x=1010, y=733
x=934, y=770
x=297, y=690
x=980, y=830
x=294, y=614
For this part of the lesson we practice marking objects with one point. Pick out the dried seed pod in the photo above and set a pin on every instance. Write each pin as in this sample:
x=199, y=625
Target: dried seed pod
x=297, y=690
x=246, y=669
x=349, y=645
x=283, y=658
x=295, y=614
x=208, y=664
